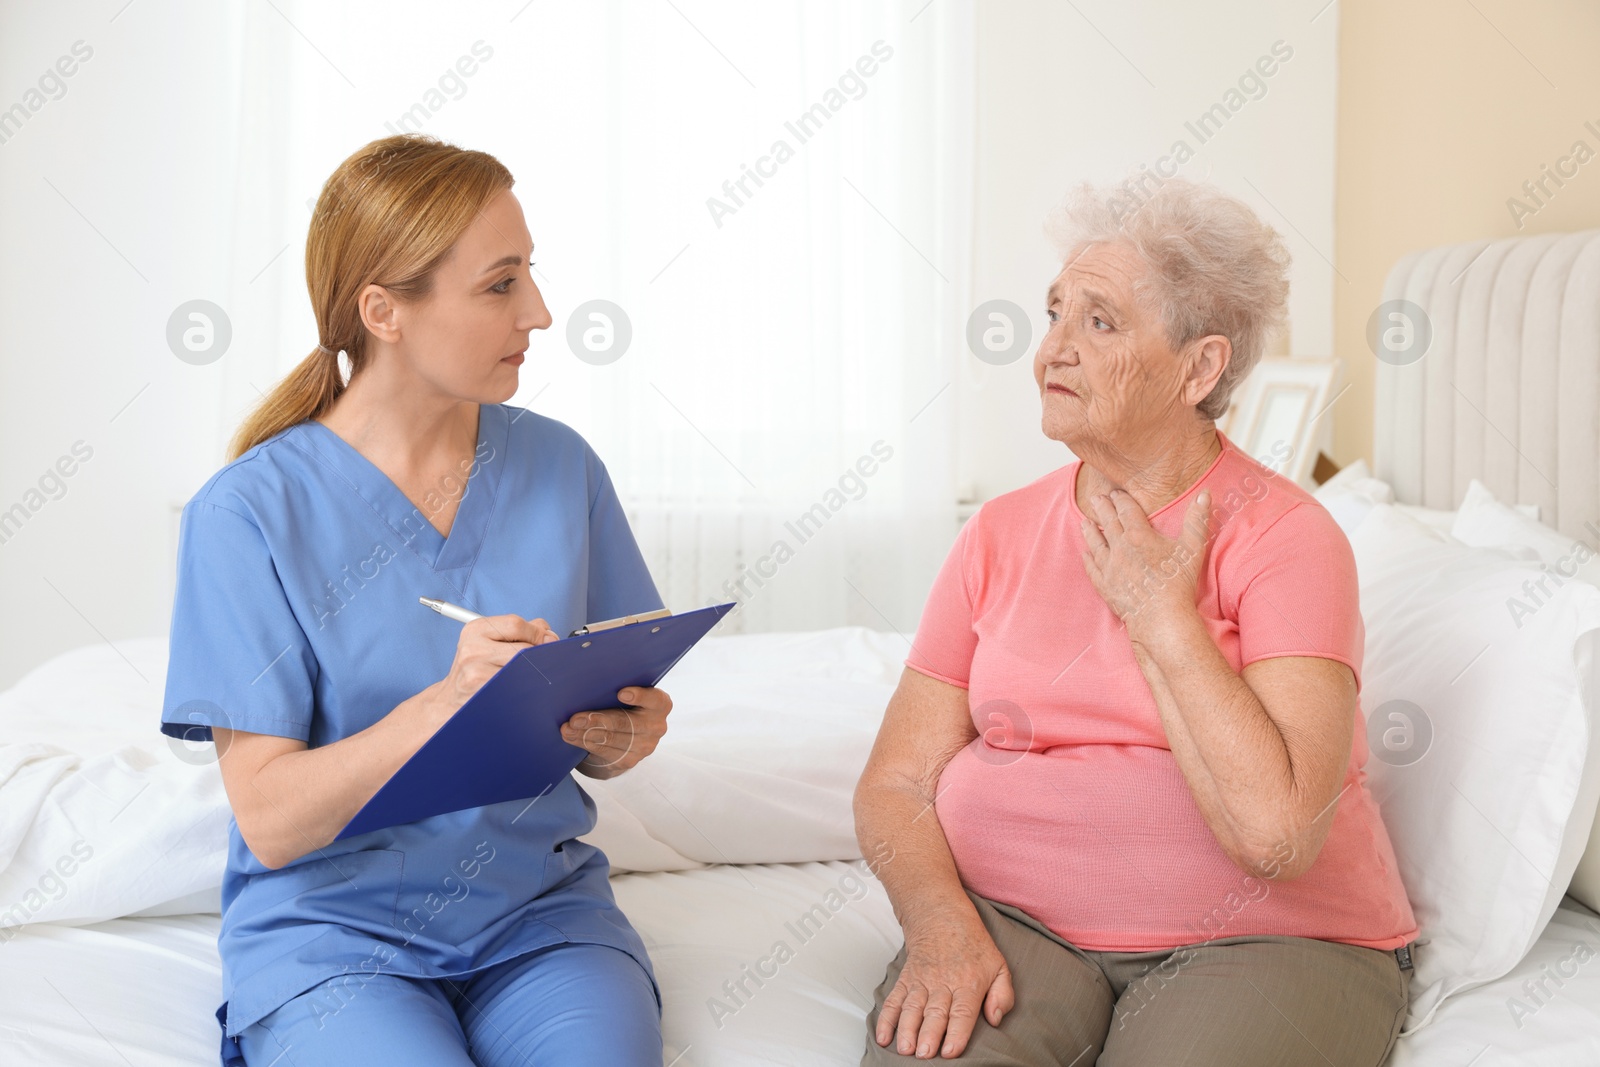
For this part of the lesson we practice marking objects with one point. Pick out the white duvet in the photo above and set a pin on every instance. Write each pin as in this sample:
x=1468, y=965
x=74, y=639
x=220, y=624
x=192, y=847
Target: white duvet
x=102, y=817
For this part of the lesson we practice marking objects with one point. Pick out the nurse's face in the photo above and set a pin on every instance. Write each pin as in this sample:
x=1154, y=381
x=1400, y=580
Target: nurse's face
x=470, y=334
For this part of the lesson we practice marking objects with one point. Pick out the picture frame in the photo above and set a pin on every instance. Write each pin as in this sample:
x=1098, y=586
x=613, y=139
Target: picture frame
x=1280, y=406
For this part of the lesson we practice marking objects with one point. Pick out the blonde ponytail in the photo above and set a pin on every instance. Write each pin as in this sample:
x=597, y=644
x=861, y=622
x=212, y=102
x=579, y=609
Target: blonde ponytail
x=306, y=393
x=388, y=216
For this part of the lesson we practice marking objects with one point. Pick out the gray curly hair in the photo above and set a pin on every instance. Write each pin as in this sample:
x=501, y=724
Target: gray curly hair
x=1214, y=266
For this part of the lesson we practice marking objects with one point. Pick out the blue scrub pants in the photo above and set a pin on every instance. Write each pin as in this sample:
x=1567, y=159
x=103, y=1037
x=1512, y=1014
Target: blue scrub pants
x=567, y=1004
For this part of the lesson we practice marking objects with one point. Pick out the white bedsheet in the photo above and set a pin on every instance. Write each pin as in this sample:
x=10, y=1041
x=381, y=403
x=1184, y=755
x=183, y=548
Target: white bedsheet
x=770, y=737
x=142, y=991
x=1557, y=1025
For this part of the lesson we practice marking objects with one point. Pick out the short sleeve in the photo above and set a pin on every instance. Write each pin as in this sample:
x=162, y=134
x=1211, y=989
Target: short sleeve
x=238, y=657
x=619, y=581
x=1300, y=596
x=945, y=638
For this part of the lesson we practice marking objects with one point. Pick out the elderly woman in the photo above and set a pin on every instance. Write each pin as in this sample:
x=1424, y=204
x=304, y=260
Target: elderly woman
x=1120, y=784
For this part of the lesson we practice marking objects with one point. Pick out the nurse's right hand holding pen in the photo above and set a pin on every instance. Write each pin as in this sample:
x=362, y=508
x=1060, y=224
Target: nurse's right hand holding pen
x=290, y=799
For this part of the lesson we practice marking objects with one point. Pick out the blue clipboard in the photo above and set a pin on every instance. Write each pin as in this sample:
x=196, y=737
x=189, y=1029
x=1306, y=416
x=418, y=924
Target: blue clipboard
x=505, y=742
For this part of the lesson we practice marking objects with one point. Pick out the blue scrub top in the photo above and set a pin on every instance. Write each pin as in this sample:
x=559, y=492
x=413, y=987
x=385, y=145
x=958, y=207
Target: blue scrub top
x=296, y=614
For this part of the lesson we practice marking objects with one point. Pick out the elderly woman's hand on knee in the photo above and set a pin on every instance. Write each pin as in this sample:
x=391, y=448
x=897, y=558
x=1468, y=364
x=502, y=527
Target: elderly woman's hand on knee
x=953, y=973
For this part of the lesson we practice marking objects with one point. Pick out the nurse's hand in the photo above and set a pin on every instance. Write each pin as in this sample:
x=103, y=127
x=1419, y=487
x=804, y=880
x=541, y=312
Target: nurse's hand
x=486, y=645
x=618, y=738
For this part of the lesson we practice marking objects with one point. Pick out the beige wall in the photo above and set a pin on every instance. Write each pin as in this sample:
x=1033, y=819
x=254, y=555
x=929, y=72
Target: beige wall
x=1445, y=108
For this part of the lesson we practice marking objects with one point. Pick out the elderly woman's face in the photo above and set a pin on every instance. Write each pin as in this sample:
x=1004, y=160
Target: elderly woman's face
x=1106, y=374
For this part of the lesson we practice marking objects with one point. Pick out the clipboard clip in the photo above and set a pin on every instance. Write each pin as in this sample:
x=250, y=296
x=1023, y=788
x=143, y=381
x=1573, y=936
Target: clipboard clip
x=594, y=627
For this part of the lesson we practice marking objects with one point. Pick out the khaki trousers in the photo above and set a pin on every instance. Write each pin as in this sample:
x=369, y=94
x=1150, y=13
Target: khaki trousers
x=1229, y=1002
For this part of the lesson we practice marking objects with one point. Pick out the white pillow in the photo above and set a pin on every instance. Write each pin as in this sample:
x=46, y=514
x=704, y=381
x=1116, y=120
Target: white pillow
x=1484, y=520
x=1350, y=494
x=1488, y=778
x=762, y=754
x=1352, y=472
x=1433, y=518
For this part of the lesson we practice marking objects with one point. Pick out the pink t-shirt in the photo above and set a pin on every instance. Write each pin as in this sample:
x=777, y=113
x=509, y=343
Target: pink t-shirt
x=1069, y=804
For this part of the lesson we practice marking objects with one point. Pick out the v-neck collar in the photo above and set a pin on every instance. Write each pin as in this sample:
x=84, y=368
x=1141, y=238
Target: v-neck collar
x=443, y=554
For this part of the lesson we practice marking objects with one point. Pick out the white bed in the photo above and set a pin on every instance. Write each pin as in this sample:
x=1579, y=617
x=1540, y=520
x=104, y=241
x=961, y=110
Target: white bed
x=142, y=991
x=81, y=990
x=112, y=842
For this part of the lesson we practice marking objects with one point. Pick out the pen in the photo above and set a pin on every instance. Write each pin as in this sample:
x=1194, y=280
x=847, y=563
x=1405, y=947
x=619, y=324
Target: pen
x=449, y=610
x=461, y=614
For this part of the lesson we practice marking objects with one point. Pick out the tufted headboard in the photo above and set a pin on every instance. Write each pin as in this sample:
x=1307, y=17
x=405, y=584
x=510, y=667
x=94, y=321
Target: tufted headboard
x=1508, y=389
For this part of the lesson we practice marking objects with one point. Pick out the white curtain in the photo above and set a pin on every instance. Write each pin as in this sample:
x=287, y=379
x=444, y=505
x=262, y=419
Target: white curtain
x=776, y=196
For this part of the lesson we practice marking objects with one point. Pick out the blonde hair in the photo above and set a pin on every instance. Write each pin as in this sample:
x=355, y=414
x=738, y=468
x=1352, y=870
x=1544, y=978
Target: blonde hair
x=389, y=215
x=1214, y=267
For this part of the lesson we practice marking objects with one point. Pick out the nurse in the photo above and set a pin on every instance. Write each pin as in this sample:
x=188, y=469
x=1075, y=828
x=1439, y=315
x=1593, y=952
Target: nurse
x=488, y=936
